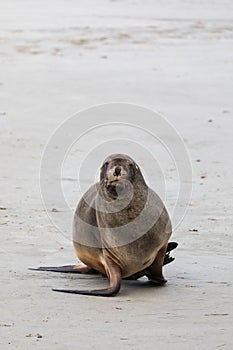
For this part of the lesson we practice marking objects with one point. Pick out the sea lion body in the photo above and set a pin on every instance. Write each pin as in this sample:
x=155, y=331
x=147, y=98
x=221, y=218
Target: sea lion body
x=121, y=229
x=132, y=257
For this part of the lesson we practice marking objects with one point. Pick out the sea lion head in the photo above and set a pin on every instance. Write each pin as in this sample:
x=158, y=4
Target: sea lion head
x=118, y=174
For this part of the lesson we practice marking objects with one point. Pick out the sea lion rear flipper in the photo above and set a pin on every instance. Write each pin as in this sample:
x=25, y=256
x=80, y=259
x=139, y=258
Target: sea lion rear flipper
x=168, y=259
x=81, y=268
x=171, y=246
x=113, y=272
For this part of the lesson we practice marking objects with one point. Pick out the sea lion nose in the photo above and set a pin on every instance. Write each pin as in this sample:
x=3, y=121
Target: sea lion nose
x=117, y=171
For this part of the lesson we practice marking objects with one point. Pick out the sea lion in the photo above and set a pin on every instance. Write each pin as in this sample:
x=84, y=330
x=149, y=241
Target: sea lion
x=121, y=229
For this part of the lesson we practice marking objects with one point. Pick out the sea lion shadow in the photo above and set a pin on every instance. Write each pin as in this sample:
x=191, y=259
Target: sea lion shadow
x=128, y=287
x=140, y=286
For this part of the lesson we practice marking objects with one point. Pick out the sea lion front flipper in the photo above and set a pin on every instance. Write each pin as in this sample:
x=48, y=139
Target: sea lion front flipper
x=81, y=268
x=114, y=274
x=154, y=272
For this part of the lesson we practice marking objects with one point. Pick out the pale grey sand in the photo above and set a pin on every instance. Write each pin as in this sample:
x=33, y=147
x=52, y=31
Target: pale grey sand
x=59, y=57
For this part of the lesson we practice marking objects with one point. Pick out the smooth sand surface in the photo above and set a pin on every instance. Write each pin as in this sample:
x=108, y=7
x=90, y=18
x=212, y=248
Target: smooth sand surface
x=59, y=57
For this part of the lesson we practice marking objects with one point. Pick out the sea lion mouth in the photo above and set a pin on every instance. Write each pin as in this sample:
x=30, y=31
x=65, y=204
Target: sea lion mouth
x=118, y=181
x=116, y=187
x=114, y=182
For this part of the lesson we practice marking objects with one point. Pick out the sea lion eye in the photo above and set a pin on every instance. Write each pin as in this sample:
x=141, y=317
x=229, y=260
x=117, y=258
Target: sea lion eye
x=131, y=169
x=106, y=164
x=131, y=166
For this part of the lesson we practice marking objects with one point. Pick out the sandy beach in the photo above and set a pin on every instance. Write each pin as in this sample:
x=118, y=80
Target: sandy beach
x=61, y=57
